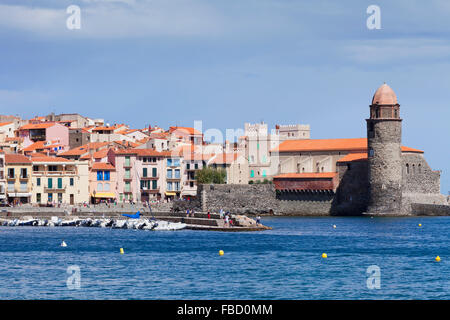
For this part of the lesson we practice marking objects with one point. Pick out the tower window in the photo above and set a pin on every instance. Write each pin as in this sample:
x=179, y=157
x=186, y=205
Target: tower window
x=371, y=153
x=407, y=168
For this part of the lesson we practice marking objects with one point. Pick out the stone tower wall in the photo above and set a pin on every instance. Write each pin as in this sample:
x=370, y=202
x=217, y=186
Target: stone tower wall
x=385, y=166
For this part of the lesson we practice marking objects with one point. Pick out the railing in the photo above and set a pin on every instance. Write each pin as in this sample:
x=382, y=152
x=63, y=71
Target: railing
x=54, y=189
x=22, y=177
x=54, y=173
x=145, y=190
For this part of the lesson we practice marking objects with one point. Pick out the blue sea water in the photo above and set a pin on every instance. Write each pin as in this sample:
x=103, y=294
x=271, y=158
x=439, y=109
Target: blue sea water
x=283, y=263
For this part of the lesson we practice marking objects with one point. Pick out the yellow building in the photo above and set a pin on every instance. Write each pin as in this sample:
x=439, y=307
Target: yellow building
x=18, y=177
x=59, y=181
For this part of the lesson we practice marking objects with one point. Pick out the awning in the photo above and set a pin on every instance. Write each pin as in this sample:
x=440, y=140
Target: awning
x=104, y=195
x=171, y=194
x=19, y=194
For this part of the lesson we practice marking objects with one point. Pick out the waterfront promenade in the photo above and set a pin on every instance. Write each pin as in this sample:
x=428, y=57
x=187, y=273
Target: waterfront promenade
x=195, y=221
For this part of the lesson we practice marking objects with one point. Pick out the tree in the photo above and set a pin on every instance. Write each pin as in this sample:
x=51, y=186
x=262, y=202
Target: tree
x=211, y=175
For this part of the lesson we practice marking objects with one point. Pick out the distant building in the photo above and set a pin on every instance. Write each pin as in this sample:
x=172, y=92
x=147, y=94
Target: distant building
x=46, y=131
x=102, y=182
x=18, y=177
x=375, y=174
x=58, y=180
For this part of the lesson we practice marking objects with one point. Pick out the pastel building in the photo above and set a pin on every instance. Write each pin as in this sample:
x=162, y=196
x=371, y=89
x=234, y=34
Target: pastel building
x=141, y=174
x=18, y=177
x=59, y=180
x=102, y=182
x=45, y=131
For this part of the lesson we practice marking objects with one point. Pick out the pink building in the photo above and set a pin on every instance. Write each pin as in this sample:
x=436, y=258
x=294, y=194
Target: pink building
x=141, y=174
x=45, y=131
x=102, y=182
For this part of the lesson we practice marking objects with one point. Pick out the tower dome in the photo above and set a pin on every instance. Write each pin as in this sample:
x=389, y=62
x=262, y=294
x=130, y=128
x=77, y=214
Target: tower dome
x=384, y=95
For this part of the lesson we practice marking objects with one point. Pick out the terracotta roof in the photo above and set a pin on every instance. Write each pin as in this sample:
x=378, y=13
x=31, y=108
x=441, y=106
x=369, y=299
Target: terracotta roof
x=197, y=156
x=225, y=158
x=353, y=157
x=354, y=144
x=48, y=159
x=127, y=144
x=37, y=126
x=384, y=95
x=102, y=166
x=41, y=145
x=101, y=154
x=408, y=149
x=158, y=135
x=16, y=159
x=4, y=123
x=84, y=149
x=184, y=130
x=307, y=175
x=311, y=145
x=143, y=152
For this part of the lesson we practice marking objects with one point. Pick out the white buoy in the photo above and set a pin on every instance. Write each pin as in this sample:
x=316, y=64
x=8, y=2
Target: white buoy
x=63, y=244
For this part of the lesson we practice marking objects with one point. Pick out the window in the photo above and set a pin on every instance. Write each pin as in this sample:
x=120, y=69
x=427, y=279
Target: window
x=59, y=183
x=144, y=172
x=50, y=183
x=154, y=172
x=106, y=175
x=127, y=161
x=264, y=173
x=38, y=182
x=38, y=197
x=35, y=168
x=23, y=186
x=252, y=173
x=188, y=166
x=169, y=173
x=99, y=186
x=196, y=166
x=155, y=184
x=59, y=197
x=177, y=173
x=106, y=187
x=177, y=186
x=371, y=153
x=10, y=186
x=11, y=173
x=99, y=175
x=50, y=197
x=169, y=186
x=407, y=168
x=176, y=162
x=169, y=162
x=71, y=181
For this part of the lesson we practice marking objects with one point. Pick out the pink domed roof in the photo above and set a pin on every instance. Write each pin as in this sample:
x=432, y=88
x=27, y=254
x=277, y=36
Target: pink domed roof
x=384, y=95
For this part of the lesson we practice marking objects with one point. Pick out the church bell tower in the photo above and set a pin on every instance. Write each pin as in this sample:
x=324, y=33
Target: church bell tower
x=384, y=135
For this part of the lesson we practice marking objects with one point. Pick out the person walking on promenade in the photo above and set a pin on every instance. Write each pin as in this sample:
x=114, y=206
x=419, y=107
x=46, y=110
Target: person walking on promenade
x=187, y=213
x=258, y=220
x=226, y=221
x=209, y=215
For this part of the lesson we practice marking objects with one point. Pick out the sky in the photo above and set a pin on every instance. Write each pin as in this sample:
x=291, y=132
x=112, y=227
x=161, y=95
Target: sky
x=227, y=62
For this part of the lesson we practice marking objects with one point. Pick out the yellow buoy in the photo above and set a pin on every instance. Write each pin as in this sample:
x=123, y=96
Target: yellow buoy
x=221, y=253
x=121, y=251
x=438, y=258
x=420, y=224
x=324, y=255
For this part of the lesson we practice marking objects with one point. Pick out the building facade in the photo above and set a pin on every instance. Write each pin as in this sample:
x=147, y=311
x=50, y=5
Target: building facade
x=2, y=178
x=59, y=181
x=18, y=177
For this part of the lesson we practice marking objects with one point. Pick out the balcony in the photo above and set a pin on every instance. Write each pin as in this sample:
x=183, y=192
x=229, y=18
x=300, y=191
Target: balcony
x=54, y=173
x=145, y=190
x=24, y=177
x=150, y=178
x=54, y=189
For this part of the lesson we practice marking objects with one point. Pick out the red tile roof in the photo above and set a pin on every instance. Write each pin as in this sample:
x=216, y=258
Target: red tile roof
x=184, y=130
x=143, y=152
x=48, y=159
x=306, y=175
x=102, y=166
x=354, y=157
x=84, y=149
x=311, y=145
x=37, y=126
x=4, y=123
x=16, y=159
x=225, y=158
